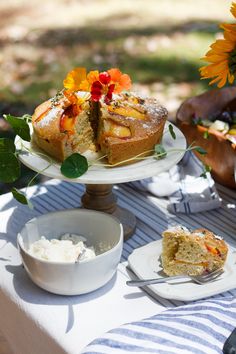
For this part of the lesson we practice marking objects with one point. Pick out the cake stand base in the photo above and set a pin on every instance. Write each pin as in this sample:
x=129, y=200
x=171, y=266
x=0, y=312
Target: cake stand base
x=101, y=198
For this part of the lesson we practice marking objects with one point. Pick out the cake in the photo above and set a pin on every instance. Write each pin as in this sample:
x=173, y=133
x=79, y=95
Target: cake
x=192, y=252
x=119, y=124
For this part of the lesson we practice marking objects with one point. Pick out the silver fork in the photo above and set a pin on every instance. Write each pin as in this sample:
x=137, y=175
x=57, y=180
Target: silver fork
x=199, y=279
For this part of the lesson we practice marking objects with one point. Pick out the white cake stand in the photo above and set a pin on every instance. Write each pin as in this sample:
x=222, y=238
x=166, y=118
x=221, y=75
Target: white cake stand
x=99, y=180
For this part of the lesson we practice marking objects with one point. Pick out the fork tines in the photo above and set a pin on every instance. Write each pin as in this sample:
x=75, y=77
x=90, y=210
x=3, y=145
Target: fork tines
x=208, y=277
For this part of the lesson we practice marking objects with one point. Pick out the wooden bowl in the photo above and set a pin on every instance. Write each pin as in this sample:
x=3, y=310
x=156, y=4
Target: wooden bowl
x=221, y=156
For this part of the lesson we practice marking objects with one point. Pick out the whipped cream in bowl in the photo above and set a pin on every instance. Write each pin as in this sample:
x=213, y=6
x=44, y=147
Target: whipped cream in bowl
x=58, y=259
x=68, y=248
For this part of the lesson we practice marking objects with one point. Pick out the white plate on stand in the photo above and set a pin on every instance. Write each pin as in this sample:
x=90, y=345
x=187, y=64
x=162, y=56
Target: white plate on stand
x=34, y=158
x=145, y=263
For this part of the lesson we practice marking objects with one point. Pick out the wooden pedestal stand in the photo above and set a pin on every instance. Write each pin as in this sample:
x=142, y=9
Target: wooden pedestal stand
x=101, y=198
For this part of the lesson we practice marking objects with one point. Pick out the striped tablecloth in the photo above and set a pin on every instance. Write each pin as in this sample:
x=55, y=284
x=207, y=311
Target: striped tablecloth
x=197, y=328
x=200, y=327
x=154, y=335
x=150, y=211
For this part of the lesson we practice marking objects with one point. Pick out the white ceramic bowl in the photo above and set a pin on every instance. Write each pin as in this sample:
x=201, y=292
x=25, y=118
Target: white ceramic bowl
x=101, y=230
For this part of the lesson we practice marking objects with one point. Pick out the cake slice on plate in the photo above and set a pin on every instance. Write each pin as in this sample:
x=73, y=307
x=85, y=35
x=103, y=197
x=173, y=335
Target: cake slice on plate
x=192, y=252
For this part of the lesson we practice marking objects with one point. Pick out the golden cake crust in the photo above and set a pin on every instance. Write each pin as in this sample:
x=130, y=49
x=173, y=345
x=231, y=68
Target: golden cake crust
x=145, y=132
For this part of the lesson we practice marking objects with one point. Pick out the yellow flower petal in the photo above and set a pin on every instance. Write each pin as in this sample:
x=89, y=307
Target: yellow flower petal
x=219, y=57
x=215, y=58
x=222, y=82
x=74, y=78
x=84, y=86
x=90, y=79
x=93, y=76
x=228, y=26
x=214, y=80
x=222, y=45
x=230, y=36
x=233, y=9
x=230, y=78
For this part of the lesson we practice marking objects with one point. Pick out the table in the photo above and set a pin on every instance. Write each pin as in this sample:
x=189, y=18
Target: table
x=35, y=321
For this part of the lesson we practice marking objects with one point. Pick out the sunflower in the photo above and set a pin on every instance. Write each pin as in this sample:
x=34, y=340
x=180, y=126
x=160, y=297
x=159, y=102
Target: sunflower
x=233, y=9
x=222, y=56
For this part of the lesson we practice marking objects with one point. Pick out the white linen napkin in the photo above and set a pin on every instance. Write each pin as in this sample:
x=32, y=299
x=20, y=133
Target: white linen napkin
x=187, y=191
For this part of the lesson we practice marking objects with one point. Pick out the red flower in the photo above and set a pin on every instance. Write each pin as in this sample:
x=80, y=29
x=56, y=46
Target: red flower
x=104, y=78
x=96, y=91
x=108, y=96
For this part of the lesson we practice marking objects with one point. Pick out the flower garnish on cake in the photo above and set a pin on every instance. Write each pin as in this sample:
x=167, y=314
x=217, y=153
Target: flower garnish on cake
x=98, y=84
x=95, y=112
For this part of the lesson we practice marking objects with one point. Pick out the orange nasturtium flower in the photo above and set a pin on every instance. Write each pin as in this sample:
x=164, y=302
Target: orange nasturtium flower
x=121, y=81
x=222, y=56
x=98, y=84
x=90, y=79
x=74, y=78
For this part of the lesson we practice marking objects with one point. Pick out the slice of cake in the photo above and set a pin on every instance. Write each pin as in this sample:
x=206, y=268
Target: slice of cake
x=120, y=125
x=192, y=252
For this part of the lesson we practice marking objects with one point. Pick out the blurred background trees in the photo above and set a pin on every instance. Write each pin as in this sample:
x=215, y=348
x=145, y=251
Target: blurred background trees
x=159, y=43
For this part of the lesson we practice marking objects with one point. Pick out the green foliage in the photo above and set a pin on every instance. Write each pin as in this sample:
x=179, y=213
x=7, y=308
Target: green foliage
x=74, y=166
x=19, y=196
x=207, y=168
x=172, y=132
x=19, y=125
x=160, y=152
x=7, y=145
x=9, y=167
x=200, y=150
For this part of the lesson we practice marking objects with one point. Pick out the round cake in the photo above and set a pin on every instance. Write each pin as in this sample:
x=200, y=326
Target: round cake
x=120, y=125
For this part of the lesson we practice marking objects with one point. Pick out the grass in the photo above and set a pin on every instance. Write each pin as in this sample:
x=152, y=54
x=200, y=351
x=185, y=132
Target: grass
x=161, y=41
x=158, y=58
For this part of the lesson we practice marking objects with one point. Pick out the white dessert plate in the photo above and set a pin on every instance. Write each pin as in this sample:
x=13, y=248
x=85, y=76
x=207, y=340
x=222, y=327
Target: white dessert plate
x=145, y=263
x=37, y=160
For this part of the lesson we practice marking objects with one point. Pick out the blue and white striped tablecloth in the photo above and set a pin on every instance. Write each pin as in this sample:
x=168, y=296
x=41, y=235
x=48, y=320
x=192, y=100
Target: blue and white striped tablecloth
x=150, y=211
x=197, y=327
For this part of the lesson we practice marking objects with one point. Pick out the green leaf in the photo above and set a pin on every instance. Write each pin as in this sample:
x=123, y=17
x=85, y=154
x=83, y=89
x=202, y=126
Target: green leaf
x=74, y=166
x=9, y=167
x=200, y=150
x=206, y=134
x=27, y=117
x=196, y=120
x=21, y=198
x=171, y=130
x=203, y=174
x=207, y=168
x=7, y=145
x=19, y=126
x=160, y=152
